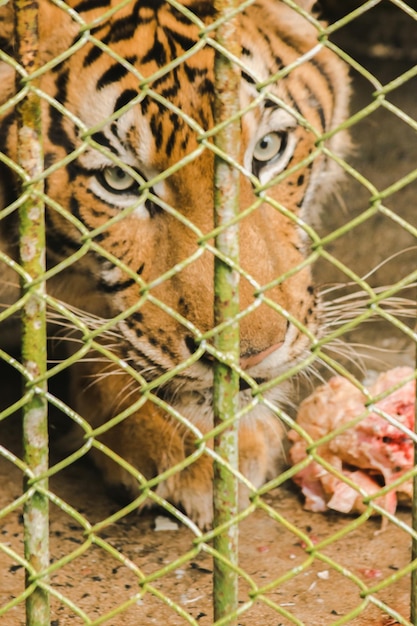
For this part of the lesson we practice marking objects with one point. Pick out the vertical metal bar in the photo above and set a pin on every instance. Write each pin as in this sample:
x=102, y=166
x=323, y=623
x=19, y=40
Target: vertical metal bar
x=32, y=259
x=226, y=380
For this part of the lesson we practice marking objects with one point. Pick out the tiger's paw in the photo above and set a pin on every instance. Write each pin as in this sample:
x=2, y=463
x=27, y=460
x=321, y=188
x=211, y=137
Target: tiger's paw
x=197, y=505
x=191, y=490
x=188, y=490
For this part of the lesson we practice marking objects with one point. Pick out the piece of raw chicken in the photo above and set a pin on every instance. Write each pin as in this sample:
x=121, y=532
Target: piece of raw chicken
x=371, y=452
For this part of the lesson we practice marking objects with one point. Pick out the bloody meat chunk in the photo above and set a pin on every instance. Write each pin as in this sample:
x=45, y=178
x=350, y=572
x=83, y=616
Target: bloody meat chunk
x=373, y=449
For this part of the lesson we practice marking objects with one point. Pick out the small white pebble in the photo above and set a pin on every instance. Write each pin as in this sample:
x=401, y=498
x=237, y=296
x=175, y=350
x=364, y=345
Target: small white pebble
x=324, y=575
x=164, y=523
x=186, y=600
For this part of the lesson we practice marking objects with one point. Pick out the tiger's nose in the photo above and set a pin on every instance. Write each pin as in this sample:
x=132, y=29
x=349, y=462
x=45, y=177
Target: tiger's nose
x=246, y=362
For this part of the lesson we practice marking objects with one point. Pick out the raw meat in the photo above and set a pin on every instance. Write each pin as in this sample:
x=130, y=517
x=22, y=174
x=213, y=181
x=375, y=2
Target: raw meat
x=373, y=448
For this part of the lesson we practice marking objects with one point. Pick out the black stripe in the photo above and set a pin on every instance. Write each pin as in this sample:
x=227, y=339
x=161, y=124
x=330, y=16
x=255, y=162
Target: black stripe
x=155, y=53
x=153, y=208
x=122, y=29
x=115, y=73
x=93, y=54
x=56, y=131
x=318, y=107
x=49, y=159
x=131, y=322
x=248, y=78
x=101, y=138
x=278, y=64
x=62, y=86
x=170, y=92
x=194, y=72
x=144, y=105
x=161, y=81
x=136, y=317
x=202, y=8
x=293, y=102
x=206, y=89
x=289, y=39
x=125, y=97
x=57, y=135
x=155, y=5
x=156, y=130
x=319, y=66
x=293, y=44
x=120, y=285
x=176, y=125
x=184, y=42
x=301, y=202
x=75, y=210
x=89, y=5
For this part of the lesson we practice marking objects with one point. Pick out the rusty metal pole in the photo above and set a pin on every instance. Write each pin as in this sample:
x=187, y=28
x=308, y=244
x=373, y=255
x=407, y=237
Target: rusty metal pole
x=226, y=380
x=32, y=259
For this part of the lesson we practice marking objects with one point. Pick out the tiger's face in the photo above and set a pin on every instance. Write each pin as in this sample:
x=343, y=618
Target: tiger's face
x=129, y=171
x=131, y=125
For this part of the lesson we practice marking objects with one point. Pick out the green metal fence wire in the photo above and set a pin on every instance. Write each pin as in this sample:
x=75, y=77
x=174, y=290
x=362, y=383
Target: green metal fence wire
x=239, y=596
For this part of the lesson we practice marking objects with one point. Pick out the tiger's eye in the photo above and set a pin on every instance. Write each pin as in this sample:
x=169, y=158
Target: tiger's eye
x=117, y=180
x=268, y=147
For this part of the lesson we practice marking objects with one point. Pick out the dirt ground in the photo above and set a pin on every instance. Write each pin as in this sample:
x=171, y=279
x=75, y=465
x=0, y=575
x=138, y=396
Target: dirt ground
x=273, y=553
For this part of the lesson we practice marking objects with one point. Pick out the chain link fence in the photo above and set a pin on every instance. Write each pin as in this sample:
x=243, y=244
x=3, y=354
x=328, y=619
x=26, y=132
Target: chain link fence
x=324, y=541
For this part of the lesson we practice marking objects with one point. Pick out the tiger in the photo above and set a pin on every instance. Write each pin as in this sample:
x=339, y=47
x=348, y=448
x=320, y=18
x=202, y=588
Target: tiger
x=137, y=79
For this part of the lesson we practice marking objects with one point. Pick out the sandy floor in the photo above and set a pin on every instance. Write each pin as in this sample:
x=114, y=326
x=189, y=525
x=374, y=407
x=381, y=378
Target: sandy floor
x=315, y=593
x=280, y=568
